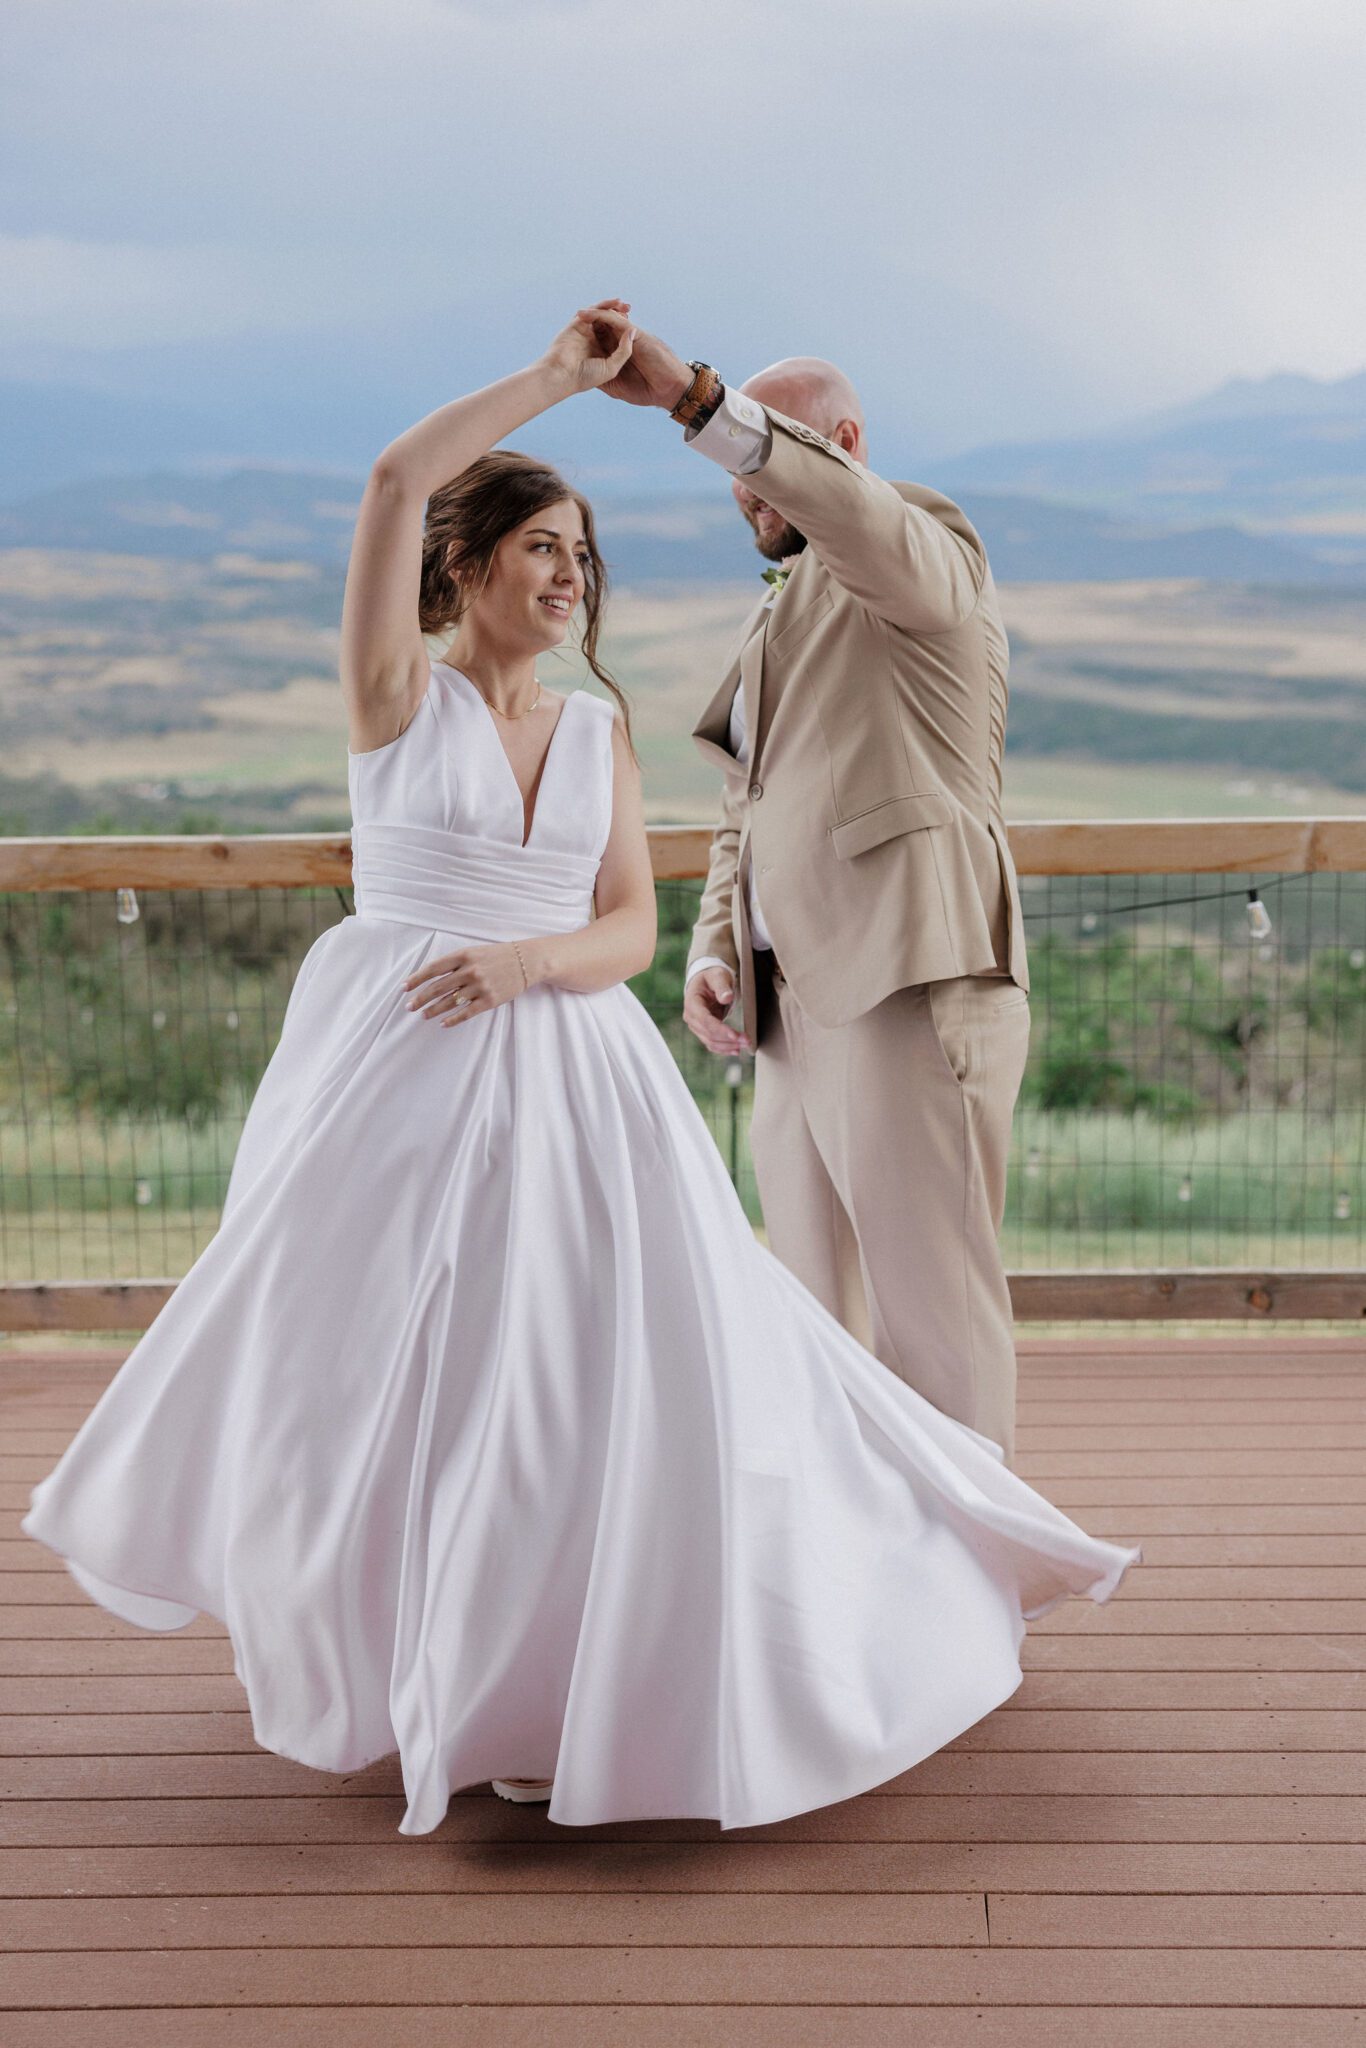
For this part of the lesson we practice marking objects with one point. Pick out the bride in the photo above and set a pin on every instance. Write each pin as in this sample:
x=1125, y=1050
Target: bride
x=484, y=1424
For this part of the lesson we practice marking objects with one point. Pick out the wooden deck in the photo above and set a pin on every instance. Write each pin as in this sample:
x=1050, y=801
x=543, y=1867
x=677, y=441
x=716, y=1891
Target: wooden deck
x=1158, y=1842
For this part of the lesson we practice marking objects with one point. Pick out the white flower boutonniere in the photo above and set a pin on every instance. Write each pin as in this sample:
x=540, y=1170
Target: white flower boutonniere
x=776, y=578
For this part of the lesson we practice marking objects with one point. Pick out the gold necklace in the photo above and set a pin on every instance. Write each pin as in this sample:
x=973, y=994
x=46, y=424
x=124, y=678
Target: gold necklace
x=511, y=716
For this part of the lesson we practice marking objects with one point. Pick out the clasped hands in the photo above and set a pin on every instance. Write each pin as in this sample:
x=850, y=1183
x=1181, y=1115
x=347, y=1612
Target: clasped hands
x=600, y=350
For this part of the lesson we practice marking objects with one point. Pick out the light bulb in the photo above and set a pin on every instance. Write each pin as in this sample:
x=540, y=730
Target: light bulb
x=126, y=906
x=1342, y=1208
x=1185, y=1191
x=1258, y=921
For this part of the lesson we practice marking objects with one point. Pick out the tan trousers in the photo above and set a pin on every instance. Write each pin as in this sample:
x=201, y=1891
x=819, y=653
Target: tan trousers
x=880, y=1151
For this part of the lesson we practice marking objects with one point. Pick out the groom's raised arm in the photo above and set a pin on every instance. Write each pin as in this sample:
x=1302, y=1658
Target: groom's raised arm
x=919, y=568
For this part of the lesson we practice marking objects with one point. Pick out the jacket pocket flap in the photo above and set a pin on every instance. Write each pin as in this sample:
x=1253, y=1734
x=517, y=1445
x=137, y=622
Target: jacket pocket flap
x=796, y=629
x=885, y=821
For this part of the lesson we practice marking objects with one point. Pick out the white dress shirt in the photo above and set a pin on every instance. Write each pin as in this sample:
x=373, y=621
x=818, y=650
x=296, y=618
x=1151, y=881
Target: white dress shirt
x=739, y=437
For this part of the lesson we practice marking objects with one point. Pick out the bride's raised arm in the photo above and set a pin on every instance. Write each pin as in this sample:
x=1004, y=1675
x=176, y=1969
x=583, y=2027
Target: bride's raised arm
x=383, y=660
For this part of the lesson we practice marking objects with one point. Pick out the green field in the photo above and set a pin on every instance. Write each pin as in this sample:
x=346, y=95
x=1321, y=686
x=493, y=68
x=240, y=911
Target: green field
x=138, y=693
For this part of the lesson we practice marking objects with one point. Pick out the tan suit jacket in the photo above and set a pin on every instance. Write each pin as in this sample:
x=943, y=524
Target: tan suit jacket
x=875, y=702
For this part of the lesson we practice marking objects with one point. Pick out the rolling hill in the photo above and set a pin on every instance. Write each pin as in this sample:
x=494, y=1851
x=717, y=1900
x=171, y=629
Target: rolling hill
x=294, y=515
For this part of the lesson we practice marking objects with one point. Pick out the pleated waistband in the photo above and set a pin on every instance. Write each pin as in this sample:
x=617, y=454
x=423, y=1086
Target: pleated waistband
x=479, y=888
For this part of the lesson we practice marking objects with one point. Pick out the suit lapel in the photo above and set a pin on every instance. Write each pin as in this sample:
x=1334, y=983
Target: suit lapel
x=712, y=730
x=751, y=683
x=746, y=671
x=760, y=697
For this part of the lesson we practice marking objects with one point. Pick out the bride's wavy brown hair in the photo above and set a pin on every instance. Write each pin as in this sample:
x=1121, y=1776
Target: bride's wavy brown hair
x=468, y=517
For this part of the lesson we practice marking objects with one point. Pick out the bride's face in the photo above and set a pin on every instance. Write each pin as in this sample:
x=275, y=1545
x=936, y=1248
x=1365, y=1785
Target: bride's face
x=537, y=578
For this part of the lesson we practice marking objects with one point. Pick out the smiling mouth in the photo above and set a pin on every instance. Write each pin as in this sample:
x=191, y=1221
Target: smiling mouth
x=559, y=605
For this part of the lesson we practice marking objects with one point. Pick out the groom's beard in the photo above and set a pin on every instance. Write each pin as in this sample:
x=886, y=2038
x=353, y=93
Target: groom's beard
x=780, y=541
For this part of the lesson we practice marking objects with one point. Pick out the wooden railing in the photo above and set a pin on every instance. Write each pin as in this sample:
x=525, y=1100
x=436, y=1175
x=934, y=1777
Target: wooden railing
x=293, y=860
x=679, y=853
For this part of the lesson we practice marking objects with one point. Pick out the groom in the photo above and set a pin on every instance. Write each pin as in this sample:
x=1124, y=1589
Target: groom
x=861, y=892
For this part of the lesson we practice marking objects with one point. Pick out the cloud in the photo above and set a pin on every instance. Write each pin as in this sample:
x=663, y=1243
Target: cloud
x=1046, y=206
x=109, y=294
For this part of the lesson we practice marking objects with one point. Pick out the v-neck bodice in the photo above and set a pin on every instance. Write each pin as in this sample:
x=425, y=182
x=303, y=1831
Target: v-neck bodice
x=448, y=770
x=438, y=817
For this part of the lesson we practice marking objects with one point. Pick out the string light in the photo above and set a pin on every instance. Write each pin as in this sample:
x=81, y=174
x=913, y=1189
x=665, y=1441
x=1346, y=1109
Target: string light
x=126, y=906
x=1258, y=919
x=1179, y=902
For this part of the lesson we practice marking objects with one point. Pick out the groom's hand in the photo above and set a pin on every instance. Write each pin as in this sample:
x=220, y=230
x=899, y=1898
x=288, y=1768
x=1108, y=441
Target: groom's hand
x=654, y=375
x=706, y=1000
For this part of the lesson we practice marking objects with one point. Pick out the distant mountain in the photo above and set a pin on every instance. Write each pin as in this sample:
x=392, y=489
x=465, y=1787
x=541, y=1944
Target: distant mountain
x=294, y=515
x=276, y=514
x=1287, y=452
x=299, y=515
x=1283, y=396
x=52, y=435
x=1030, y=540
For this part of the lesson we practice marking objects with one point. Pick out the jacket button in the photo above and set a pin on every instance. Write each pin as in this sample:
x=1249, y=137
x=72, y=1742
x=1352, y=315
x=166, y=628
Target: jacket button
x=756, y=790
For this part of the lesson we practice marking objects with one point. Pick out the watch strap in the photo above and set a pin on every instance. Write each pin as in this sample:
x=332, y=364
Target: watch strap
x=701, y=398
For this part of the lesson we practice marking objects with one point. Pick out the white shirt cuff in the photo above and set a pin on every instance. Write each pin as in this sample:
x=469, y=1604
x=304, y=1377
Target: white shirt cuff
x=708, y=960
x=737, y=435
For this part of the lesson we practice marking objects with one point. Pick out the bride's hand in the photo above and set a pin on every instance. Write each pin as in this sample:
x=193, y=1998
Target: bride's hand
x=594, y=348
x=467, y=983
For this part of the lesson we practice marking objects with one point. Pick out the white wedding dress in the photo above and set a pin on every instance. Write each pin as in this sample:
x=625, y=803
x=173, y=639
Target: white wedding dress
x=485, y=1425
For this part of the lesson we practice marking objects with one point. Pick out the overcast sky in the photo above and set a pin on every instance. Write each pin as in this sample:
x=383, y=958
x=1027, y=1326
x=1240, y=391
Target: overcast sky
x=1005, y=216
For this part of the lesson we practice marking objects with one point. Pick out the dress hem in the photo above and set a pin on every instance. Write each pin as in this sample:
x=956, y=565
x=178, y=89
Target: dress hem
x=1099, y=1591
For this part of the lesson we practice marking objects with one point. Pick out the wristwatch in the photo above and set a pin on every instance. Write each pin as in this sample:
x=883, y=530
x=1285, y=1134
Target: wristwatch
x=701, y=398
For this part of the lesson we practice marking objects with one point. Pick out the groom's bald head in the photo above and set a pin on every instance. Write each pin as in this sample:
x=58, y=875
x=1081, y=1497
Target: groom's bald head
x=817, y=393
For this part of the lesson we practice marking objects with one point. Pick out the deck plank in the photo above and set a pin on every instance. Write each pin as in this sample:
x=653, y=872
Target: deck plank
x=697, y=2026
x=1182, y=1977
x=955, y=1817
x=258, y=1774
x=717, y=1865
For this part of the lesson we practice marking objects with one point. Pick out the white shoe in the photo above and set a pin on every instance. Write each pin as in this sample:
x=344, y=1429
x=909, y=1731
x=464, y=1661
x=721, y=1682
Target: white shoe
x=524, y=1791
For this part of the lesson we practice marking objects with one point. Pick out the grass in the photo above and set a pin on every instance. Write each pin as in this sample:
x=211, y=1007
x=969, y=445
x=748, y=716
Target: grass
x=126, y=1199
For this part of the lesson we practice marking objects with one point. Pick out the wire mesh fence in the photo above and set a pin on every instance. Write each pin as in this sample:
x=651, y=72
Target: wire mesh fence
x=1196, y=1093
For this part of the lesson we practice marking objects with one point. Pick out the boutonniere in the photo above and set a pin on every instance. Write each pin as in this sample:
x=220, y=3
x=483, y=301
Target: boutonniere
x=777, y=577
